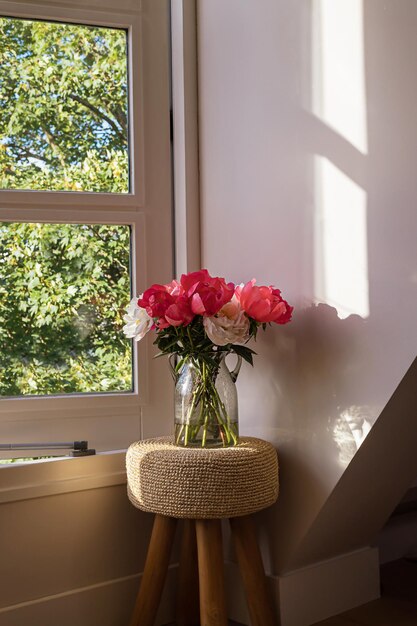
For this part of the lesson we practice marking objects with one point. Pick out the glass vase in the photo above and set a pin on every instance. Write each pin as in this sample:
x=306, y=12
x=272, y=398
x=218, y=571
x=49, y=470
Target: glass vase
x=206, y=407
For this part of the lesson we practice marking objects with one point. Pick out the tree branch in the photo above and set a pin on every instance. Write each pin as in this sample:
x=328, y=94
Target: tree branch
x=55, y=148
x=25, y=153
x=99, y=114
x=121, y=118
x=28, y=154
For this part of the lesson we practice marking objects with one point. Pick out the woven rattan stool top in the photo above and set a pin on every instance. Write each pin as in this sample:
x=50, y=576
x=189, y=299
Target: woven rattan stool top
x=202, y=483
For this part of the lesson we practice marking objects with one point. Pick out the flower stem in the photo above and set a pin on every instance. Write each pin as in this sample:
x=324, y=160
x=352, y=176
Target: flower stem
x=178, y=437
x=206, y=412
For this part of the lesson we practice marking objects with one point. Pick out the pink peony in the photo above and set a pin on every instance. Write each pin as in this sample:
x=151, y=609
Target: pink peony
x=229, y=325
x=188, y=281
x=179, y=313
x=167, y=304
x=263, y=304
x=175, y=288
x=208, y=294
x=156, y=300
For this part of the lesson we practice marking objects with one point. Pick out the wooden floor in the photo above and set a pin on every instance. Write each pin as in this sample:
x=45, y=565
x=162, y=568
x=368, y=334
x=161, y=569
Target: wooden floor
x=397, y=605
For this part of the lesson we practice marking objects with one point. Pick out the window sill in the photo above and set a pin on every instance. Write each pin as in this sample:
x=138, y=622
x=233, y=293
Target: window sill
x=50, y=477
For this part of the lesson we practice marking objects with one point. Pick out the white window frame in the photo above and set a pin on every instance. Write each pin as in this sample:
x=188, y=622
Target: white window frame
x=112, y=421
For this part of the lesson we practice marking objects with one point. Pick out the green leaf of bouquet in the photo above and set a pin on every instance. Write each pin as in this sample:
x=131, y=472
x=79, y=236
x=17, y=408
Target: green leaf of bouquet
x=179, y=364
x=166, y=344
x=238, y=346
x=245, y=352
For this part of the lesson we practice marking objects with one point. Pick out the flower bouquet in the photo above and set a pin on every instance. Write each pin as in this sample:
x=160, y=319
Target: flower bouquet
x=198, y=321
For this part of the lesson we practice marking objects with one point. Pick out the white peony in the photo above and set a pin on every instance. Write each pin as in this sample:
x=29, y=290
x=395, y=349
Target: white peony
x=229, y=325
x=138, y=322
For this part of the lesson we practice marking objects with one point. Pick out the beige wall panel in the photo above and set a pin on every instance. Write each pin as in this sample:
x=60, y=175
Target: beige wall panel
x=110, y=604
x=59, y=543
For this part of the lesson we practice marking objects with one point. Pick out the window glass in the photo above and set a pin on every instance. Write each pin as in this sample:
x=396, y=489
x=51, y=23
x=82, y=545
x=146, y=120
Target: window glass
x=63, y=107
x=63, y=290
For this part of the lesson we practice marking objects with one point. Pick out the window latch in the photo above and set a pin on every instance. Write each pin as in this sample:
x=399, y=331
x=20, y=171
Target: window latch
x=76, y=448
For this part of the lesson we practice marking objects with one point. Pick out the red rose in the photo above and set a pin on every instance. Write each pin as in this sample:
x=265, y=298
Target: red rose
x=207, y=293
x=264, y=304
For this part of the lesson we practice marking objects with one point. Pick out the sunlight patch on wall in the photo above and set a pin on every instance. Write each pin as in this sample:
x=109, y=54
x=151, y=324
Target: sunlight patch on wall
x=351, y=429
x=339, y=73
x=341, y=263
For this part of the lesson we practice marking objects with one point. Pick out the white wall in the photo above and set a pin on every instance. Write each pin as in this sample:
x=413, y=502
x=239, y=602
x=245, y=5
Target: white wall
x=307, y=159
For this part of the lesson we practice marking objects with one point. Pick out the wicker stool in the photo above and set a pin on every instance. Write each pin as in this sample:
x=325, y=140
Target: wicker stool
x=203, y=486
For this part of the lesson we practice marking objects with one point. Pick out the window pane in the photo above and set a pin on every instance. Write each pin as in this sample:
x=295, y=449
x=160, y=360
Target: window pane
x=63, y=291
x=63, y=107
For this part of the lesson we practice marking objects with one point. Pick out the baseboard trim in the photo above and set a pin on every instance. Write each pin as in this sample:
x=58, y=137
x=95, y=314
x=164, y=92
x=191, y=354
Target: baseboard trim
x=326, y=589
x=107, y=603
x=314, y=593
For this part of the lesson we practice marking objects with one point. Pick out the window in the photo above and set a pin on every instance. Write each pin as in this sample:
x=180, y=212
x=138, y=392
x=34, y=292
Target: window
x=62, y=288
x=85, y=218
x=63, y=106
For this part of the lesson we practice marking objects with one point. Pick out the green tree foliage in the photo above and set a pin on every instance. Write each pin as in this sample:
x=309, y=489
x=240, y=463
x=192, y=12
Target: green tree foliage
x=63, y=127
x=61, y=290
x=63, y=107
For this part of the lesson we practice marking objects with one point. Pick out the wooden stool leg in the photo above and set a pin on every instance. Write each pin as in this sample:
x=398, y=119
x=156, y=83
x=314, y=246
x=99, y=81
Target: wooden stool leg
x=188, y=607
x=211, y=574
x=251, y=567
x=156, y=566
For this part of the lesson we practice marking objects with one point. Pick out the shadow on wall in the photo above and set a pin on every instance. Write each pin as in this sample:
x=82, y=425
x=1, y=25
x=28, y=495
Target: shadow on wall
x=373, y=483
x=334, y=426
x=318, y=415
